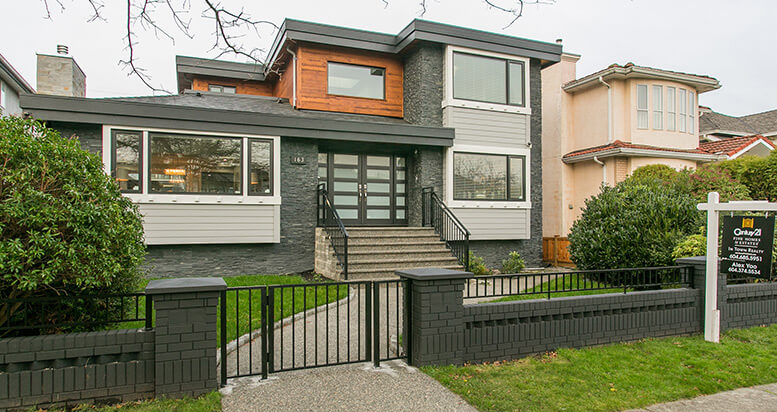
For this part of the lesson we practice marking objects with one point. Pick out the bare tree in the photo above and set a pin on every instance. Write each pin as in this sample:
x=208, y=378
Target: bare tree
x=231, y=25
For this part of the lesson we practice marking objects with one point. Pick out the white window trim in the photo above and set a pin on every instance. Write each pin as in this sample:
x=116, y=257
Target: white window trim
x=671, y=114
x=655, y=111
x=486, y=204
x=647, y=104
x=3, y=96
x=449, y=100
x=164, y=198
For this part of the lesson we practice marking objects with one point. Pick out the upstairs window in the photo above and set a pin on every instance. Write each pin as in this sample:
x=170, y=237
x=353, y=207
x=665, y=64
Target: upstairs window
x=356, y=81
x=222, y=89
x=642, y=106
x=670, y=109
x=488, y=79
x=195, y=164
x=681, y=101
x=658, y=107
x=126, y=160
x=260, y=167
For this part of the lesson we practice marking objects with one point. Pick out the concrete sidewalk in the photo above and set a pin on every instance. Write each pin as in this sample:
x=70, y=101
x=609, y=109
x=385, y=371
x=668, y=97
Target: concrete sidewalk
x=757, y=399
x=355, y=387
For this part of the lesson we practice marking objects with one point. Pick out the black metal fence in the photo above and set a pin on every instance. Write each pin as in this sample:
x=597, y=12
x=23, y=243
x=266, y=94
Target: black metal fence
x=550, y=284
x=266, y=329
x=329, y=219
x=41, y=315
x=435, y=213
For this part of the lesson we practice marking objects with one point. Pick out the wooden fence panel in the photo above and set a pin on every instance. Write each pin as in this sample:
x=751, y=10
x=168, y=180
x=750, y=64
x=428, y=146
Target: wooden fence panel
x=555, y=251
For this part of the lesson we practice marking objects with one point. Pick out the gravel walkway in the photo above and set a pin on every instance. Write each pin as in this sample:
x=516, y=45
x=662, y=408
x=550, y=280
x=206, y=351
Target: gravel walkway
x=357, y=387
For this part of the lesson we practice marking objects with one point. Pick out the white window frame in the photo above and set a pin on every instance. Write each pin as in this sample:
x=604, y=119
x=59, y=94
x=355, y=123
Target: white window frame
x=3, y=97
x=487, y=204
x=671, y=114
x=170, y=198
x=658, y=106
x=691, y=127
x=646, y=109
x=449, y=100
x=681, y=110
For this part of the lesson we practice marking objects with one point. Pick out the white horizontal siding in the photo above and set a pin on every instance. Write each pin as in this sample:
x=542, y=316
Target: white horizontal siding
x=176, y=224
x=487, y=128
x=495, y=224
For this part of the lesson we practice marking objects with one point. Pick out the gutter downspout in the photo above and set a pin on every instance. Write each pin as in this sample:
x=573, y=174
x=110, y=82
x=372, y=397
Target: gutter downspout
x=293, y=78
x=609, y=109
x=604, y=169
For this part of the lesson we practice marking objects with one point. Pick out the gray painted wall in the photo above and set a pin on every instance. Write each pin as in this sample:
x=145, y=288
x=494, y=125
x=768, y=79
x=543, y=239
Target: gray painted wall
x=11, y=100
x=487, y=127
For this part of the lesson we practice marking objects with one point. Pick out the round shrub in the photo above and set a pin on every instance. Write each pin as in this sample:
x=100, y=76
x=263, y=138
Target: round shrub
x=513, y=264
x=634, y=224
x=712, y=178
x=65, y=229
x=660, y=172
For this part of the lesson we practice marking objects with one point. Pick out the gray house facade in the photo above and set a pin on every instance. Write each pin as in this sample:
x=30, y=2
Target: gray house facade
x=226, y=173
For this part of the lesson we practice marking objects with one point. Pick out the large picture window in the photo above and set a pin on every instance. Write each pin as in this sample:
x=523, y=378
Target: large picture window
x=356, y=81
x=488, y=177
x=195, y=164
x=260, y=167
x=127, y=160
x=488, y=79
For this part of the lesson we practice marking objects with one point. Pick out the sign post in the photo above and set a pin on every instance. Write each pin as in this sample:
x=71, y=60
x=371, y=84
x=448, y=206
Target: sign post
x=743, y=244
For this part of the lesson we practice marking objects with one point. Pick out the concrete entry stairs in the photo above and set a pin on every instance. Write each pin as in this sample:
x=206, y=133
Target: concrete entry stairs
x=376, y=252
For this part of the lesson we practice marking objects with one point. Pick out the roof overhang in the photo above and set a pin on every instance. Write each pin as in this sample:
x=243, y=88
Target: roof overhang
x=769, y=145
x=700, y=83
x=634, y=152
x=13, y=78
x=135, y=114
x=417, y=31
x=186, y=66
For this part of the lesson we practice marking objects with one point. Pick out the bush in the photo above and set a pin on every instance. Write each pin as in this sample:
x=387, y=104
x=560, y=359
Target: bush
x=758, y=174
x=693, y=245
x=65, y=229
x=660, y=172
x=634, y=224
x=477, y=265
x=513, y=264
x=712, y=178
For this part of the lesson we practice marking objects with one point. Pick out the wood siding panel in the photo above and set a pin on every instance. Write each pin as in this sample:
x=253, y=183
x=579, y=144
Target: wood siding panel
x=487, y=128
x=495, y=224
x=284, y=86
x=241, y=86
x=312, y=81
x=174, y=224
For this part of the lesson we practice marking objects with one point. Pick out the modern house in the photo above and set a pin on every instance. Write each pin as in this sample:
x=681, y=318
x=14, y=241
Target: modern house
x=227, y=172
x=714, y=126
x=12, y=84
x=599, y=128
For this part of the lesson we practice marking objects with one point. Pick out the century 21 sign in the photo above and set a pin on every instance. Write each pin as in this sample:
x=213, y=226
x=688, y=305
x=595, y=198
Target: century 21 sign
x=747, y=245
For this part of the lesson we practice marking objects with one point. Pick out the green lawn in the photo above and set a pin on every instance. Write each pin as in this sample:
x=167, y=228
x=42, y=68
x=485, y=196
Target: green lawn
x=295, y=300
x=562, y=283
x=619, y=376
x=210, y=402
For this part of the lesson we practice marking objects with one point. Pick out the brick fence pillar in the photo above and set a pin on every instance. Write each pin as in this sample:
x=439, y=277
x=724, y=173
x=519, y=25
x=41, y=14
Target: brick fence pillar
x=699, y=276
x=436, y=315
x=185, y=335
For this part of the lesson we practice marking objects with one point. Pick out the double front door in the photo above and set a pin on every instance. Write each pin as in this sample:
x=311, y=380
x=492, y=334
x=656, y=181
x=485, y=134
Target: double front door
x=366, y=189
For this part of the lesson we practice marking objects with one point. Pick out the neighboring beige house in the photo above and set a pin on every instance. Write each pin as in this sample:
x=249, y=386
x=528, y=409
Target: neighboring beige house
x=601, y=127
x=733, y=147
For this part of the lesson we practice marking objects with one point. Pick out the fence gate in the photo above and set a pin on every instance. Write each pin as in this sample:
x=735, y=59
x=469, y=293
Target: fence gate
x=266, y=329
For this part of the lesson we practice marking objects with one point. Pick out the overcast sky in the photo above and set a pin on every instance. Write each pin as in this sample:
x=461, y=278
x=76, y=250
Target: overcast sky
x=732, y=41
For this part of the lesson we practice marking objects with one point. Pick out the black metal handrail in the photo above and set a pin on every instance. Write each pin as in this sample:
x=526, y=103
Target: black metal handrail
x=329, y=219
x=434, y=213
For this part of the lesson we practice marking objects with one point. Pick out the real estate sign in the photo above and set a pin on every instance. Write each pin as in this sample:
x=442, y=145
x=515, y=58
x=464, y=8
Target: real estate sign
x=747, y=245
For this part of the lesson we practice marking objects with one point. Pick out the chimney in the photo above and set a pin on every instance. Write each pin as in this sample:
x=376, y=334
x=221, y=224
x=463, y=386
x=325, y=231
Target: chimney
x=60, y=75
